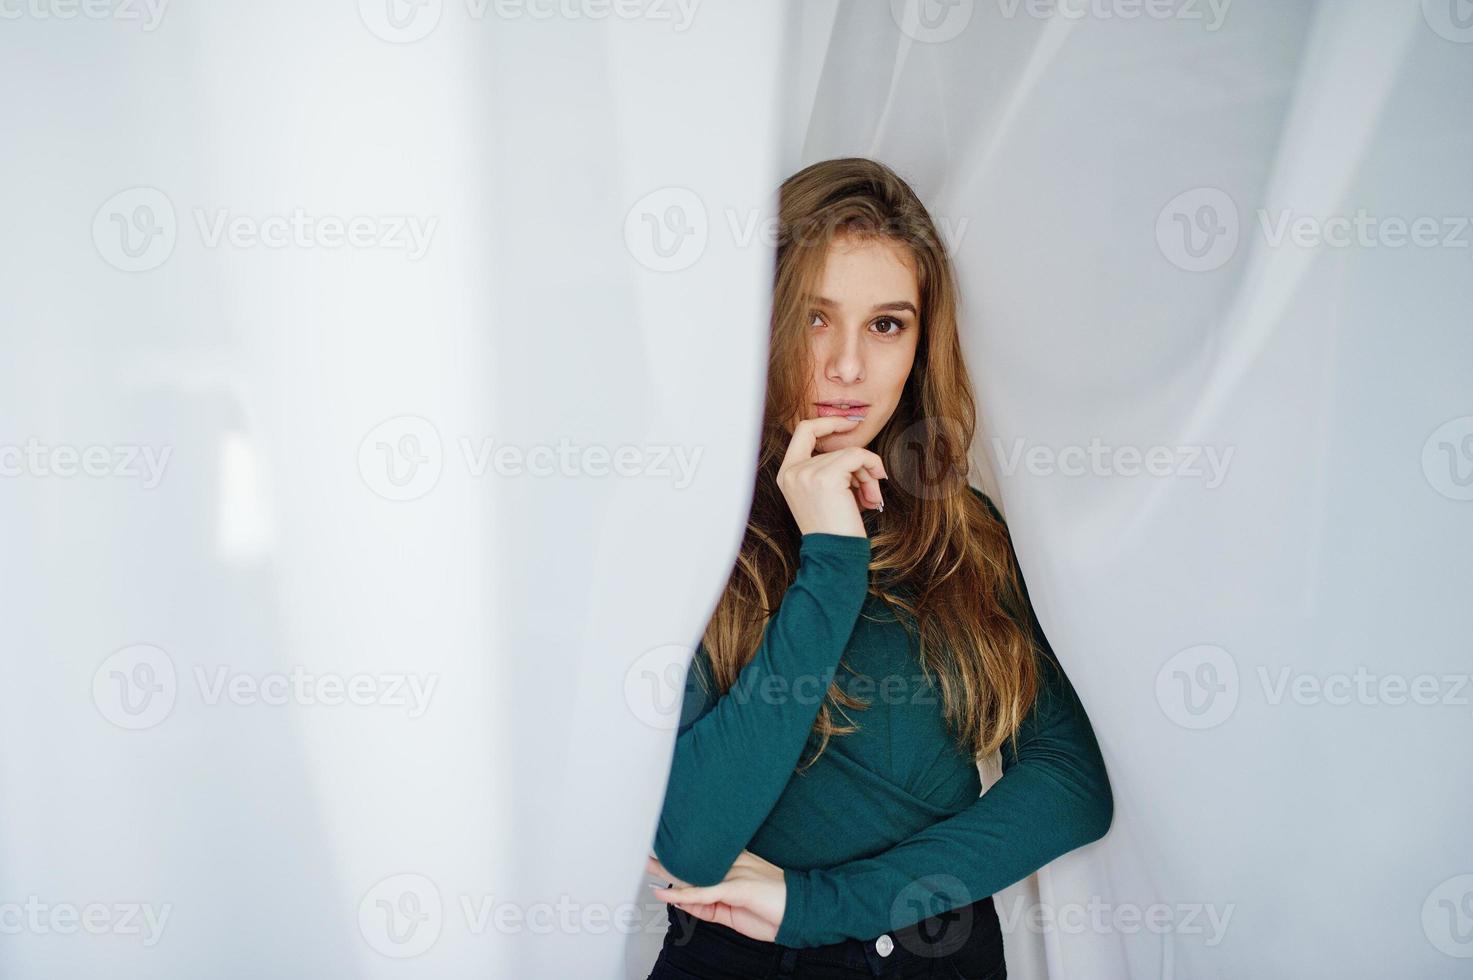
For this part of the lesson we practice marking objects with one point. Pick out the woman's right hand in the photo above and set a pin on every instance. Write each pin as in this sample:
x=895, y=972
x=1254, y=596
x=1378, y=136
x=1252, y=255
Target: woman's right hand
x=820, y=489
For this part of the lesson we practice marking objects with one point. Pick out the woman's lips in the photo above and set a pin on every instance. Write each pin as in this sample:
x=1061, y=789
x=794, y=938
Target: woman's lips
x=825, y=411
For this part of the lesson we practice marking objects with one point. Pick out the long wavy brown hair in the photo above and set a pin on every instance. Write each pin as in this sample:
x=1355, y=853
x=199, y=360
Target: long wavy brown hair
x=939, y=559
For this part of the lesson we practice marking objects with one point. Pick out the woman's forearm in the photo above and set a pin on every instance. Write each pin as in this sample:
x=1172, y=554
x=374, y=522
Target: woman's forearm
x=1054, y=796
x=735, y=754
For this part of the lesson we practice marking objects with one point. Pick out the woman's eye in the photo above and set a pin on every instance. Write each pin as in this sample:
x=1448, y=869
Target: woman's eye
x=893, y=322
x=816, y=319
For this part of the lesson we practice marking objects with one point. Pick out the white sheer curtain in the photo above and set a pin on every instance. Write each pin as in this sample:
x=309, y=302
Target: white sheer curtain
x=1215, y=263
x=377, y=411
x=336, y=687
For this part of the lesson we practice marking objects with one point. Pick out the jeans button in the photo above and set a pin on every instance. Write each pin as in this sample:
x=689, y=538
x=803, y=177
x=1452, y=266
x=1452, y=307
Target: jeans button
x=884, y=945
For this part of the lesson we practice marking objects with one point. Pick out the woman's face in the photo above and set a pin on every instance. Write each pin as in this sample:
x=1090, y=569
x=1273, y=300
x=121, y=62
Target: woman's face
x=864, y=326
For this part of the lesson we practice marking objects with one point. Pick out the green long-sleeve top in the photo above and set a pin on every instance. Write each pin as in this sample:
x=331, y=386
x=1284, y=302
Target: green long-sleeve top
x=888, y=826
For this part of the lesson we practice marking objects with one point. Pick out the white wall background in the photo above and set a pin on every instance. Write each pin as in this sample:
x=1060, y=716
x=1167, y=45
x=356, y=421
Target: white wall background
x=251, y=464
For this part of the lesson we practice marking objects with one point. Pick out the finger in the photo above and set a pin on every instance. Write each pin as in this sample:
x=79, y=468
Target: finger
x=684, y=894
x=708, y=912
x=869, y=489
x=807, y=434
x=667, y=893
x=861, y=465
x=654, y=867
x=853, y=459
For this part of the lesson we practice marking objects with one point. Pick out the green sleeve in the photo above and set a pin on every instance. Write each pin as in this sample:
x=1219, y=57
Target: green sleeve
x=734, y=755
x=1054, y=796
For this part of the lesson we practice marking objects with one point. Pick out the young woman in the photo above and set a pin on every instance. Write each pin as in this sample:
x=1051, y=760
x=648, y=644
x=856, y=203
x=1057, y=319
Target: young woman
x=875, y=634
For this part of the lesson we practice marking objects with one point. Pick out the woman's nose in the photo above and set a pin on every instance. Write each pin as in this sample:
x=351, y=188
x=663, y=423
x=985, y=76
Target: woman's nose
x=846, y=358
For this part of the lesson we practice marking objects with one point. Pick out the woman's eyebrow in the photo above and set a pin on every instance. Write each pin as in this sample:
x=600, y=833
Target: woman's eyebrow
x=897, y=305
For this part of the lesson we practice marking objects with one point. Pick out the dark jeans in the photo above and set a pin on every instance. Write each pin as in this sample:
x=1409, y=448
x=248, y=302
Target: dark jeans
x=962, y=944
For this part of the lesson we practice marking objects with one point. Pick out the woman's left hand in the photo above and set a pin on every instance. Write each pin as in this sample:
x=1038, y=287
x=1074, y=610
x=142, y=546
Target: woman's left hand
x=750, y=899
